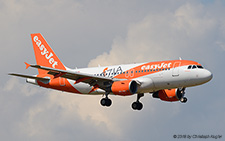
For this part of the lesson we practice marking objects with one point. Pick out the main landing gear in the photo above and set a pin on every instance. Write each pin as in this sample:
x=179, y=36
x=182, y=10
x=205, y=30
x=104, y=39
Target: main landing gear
x=106, y=101
x=137, y=105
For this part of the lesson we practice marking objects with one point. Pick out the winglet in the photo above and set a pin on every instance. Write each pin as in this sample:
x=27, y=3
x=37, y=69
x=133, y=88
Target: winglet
x=27, y=65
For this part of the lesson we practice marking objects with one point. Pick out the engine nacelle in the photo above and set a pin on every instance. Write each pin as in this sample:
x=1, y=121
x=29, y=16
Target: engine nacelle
x=126, y=87
x=168, y=95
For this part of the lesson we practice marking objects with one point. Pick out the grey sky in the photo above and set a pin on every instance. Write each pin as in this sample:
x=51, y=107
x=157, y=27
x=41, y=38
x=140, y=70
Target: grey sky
x=87, y=33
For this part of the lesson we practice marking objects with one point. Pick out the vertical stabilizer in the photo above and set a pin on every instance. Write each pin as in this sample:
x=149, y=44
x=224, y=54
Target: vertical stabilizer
x=44, y=55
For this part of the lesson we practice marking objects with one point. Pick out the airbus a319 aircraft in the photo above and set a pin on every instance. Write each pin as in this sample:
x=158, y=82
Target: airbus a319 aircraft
x=165, y=80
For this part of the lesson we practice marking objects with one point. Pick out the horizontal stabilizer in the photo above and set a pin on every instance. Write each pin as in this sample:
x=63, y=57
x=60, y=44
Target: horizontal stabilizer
x=27, y=65
x=28, y=76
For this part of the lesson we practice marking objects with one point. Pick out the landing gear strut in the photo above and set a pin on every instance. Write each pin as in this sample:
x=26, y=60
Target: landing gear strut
x=137, y=105
x=106, y=101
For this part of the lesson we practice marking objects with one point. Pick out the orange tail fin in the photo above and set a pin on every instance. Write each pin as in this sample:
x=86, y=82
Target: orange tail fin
x=44, y=55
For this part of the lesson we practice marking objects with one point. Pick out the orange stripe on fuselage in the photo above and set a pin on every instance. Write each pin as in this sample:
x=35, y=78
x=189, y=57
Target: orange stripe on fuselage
x=153, y=67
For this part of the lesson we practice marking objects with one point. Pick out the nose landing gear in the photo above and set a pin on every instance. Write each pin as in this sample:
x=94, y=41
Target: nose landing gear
x=183, y=100
x=181, y=93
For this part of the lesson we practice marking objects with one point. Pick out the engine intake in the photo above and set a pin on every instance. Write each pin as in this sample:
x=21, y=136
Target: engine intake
x=126, y=87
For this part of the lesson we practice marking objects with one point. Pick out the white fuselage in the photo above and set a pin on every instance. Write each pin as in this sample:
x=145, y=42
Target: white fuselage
x=167, y=79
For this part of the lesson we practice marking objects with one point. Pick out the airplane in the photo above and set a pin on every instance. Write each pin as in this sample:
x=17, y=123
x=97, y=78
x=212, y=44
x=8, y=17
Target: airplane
x=165, y=80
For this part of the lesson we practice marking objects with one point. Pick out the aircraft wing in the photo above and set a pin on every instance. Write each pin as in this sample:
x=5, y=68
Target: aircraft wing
x=77, y=76
x=28, y=76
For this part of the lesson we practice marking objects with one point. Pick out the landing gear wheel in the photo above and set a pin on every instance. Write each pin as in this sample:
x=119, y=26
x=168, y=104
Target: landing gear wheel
x=140, y=106
x=183, y=100
x=103, y=102
x=106, y=102
x=137, y=105
x=134, y=105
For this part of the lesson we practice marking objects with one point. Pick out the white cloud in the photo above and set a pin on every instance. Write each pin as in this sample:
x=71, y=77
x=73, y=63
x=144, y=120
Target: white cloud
x=162, y=36
x=221, y=45
x=10, y=84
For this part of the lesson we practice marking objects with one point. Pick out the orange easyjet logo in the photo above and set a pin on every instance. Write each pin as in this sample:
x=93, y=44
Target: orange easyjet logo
x=156, y=66
x=48, y=55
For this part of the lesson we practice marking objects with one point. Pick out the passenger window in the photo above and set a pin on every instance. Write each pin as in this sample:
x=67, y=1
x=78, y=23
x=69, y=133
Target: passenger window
x=194, y=67
x=189, y=67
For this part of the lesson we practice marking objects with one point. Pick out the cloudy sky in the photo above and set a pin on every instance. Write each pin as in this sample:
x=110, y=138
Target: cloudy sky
x=85, y=33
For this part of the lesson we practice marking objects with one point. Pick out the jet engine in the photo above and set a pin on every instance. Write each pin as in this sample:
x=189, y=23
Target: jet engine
x=170, y=95
x=126, y=87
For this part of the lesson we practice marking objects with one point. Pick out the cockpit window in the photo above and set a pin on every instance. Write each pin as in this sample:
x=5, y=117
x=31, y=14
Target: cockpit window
x=194, y=67
x=200, y=67
x=189, y=67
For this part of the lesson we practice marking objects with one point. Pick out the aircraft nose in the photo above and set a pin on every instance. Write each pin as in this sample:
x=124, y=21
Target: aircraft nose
x=208, y=75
